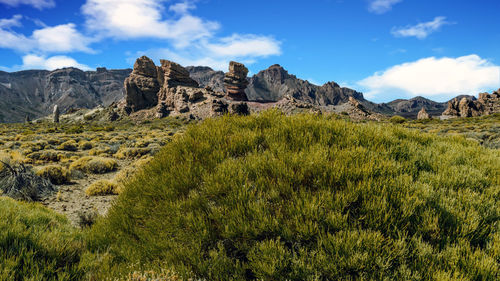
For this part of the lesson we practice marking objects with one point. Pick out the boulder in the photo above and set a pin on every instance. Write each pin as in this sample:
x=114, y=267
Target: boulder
x=162, y=110
x=423, y=115
x=239, y=108
x=219, y=107
x=235, y=81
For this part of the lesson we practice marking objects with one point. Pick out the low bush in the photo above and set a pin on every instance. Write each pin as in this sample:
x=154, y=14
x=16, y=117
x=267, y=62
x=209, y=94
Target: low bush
x=69, y=145
x=397, y=119
x=94, y=165
x=133, y=152
x=48, y=156
x=85, y=145
x=102, y=188
x=55, y=173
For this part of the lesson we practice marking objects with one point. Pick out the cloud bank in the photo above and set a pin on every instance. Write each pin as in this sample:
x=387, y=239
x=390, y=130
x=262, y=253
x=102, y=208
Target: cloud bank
x=51, y=63
x=437, y=78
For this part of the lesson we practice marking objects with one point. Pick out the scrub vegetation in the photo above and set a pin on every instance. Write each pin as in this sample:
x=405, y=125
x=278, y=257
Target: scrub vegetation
x=271, y=197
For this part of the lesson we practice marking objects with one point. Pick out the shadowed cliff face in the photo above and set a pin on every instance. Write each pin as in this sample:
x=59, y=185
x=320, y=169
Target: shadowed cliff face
x=34, y=92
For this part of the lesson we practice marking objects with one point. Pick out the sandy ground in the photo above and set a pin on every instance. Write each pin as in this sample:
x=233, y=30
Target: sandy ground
x=72, y=201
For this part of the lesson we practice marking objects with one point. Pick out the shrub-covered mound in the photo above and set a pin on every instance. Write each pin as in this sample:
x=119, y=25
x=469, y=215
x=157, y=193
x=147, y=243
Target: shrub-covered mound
x=37, y=244
x=309, y=197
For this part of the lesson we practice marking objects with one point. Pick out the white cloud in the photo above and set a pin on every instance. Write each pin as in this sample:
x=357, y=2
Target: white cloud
x=40, y=62
x=125, y=19
x=382, y=6
x=245, y=45
x=15, y=41
x=39, y=4
x=438, y=78
x=421, y=30
x=15, y=21
x=60, y=38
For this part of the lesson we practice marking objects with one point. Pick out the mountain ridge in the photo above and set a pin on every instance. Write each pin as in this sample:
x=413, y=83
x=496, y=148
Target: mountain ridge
x=33, y=93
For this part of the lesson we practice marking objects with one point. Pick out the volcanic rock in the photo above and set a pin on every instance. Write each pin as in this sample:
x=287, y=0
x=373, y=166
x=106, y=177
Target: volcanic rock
x=176, y=75
x=422, y=114
x=239, y=108
x=236, y=81
x=142, y=86
x=466, y=107
x=219, y=107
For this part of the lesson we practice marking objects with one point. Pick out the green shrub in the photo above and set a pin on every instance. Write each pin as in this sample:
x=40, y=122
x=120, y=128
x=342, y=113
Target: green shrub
x=70, y=145
x=133, y=152
x=396, y=119
x=37, y=244
x=56, y=174
x=85, y=145
x=94, y=165
x=102, y=188
x=271, y=197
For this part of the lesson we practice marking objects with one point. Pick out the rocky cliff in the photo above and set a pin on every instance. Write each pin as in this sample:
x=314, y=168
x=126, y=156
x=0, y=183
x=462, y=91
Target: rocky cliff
x=486, y=104
x=34, y=93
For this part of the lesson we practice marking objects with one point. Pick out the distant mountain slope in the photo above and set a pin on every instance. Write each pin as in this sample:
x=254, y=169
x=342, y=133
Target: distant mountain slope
x=275, y=82
x=34, y=92
x=410, y=108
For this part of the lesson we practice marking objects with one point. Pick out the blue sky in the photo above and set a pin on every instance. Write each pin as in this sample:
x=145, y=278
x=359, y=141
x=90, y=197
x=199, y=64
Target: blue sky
x=385, y=48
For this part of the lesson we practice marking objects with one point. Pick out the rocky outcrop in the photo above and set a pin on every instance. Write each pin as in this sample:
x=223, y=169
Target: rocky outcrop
x=56, y=114
x=236, y=82
x=175, y=75
x=422, y=114
x=142, y=86
x=491, y=102
x=486, y=104
x=178, y=93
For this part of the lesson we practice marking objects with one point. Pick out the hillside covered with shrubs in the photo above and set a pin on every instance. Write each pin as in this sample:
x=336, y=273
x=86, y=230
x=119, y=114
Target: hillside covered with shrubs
x=275, y=197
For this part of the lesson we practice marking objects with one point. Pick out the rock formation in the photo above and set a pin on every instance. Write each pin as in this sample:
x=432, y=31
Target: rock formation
x=176, y=93
x=175, y=75
x=422, y=114
x=56, y=114
x=236, y=81
x=142, y=86
x=466, y=107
